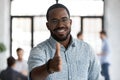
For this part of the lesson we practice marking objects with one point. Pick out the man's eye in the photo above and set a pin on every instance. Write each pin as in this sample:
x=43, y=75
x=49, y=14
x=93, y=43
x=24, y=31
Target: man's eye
x=54, y=21
x=65, y=19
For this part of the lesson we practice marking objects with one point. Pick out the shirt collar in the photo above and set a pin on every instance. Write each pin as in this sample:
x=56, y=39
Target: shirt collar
x=53, y=42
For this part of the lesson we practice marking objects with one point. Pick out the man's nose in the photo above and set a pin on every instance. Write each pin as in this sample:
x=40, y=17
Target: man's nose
x=60, y=23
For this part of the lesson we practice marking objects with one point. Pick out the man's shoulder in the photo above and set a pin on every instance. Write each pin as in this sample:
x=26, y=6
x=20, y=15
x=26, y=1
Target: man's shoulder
x=2, y=72
x=40, y=46
x=7, y=71
x=81, y=43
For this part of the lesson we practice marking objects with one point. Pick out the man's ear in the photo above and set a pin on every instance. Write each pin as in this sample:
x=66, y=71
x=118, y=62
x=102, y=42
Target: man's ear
x=70, y=21
x=47, y=24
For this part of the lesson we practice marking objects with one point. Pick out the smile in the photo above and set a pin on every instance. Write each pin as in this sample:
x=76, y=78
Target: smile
x=60, y=30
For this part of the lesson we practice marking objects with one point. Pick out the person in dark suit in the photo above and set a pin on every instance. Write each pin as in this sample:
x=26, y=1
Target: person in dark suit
x=9, y=73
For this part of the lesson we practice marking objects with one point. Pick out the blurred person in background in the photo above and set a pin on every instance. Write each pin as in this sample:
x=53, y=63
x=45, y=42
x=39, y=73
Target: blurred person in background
x=9, y=73
x=105, y=55
x=21, y=64
x=80, y=35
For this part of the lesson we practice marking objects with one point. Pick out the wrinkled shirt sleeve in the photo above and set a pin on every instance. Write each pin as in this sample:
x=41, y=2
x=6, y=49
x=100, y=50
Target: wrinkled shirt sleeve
x=37, y=58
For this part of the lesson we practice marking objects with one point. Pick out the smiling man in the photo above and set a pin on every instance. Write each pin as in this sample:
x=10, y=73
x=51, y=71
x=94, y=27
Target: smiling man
x=61, y=57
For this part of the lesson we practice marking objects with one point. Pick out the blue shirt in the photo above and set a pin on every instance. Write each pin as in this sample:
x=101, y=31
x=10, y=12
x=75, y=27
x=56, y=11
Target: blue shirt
x=78, y=60
x=105, y=51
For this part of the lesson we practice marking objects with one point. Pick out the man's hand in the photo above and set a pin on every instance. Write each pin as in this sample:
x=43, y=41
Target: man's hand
x=56, y=63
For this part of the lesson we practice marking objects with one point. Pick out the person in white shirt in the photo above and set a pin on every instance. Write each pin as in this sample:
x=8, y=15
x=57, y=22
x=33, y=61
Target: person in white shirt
x=21, y=65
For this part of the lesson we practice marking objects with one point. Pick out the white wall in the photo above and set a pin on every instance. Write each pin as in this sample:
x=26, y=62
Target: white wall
x=112, y=25
x=4, y=30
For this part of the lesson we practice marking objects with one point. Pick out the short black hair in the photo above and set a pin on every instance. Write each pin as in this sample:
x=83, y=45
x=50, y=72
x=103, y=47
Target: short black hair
x=103, y=32
x=10, y=61
x=56, y=6
x=79, y=33
x=18, y=49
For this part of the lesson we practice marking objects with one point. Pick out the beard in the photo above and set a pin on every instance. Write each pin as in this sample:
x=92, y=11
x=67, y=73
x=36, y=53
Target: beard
x=60, y=38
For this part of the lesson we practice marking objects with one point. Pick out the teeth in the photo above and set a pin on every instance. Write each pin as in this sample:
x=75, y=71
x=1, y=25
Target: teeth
x=60, y=30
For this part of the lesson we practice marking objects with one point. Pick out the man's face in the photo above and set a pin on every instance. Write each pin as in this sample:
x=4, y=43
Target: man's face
x=20, y=54
x=59, y=24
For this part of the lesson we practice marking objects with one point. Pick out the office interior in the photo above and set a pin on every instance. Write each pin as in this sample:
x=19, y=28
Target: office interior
x=23, y=24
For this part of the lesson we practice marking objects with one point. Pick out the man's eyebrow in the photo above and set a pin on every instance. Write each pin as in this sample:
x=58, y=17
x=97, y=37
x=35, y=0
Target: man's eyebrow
x=54, y=19
x=57, y=19
x=64, y=17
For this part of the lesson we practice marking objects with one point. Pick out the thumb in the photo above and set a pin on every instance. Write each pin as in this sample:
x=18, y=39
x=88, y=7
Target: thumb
x=57, y=53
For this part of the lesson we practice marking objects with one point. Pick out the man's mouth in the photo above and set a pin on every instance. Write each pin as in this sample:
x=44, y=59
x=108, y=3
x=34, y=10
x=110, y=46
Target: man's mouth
x=60, y=30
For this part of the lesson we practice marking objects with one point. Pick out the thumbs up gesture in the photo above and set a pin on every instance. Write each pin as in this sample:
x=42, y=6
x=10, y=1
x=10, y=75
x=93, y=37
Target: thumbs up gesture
x=57, y=53
x=56, y=63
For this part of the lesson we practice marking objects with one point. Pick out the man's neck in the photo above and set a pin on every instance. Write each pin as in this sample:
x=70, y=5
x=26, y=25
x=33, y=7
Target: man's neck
x=20, y=59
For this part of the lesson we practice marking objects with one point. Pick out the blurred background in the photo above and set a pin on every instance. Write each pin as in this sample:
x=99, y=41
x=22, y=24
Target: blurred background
x=23, y=24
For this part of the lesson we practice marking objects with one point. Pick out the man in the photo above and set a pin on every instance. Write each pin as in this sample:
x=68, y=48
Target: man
x=61, y=57
x=105, y=55
x=10, y=73
x=21, y=65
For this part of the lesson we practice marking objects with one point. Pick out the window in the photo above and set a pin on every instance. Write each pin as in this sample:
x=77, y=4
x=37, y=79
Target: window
x=41, y=32
x=21, y=35
x=91, y=28
x=28, y=22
